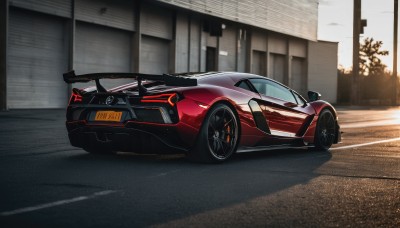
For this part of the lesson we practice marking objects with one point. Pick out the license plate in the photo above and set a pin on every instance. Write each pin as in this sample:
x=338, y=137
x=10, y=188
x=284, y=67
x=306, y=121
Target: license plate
x=108, y=116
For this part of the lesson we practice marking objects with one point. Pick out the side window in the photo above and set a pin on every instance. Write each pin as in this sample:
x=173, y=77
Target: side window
x=259, y=85
x=272, y=89
x=244, y=85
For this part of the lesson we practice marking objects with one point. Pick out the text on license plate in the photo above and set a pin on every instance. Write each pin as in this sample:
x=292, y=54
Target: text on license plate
x=108, y=116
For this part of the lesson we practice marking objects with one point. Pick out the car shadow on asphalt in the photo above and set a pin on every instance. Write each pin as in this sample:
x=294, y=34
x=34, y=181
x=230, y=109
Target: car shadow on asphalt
x=285, y=154
x=177, y=190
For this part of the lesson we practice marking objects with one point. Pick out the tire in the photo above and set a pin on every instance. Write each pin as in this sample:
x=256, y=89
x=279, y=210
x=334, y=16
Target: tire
x=218, y=137
x=325, y=131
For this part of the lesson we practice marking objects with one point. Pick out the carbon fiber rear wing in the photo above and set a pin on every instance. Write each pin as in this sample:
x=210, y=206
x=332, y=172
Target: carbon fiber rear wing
x=169, y=80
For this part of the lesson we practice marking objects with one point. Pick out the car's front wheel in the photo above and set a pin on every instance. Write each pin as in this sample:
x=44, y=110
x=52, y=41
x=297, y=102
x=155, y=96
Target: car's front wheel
x=218, y=137
x=325, y=131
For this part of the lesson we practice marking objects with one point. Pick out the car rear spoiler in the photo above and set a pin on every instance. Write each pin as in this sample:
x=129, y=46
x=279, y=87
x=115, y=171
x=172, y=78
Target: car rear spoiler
x=169, y=80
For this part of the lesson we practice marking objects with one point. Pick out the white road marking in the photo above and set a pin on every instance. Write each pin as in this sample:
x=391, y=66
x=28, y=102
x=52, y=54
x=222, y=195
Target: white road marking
x=56, y=203
x=371, y=123
x=366, y=144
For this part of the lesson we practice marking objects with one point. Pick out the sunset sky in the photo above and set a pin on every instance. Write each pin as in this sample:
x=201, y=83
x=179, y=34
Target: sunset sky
x=336, y=24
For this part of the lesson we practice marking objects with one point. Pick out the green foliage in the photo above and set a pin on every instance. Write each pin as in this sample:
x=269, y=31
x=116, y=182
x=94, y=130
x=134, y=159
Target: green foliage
x=374, y=89
x=370, y=62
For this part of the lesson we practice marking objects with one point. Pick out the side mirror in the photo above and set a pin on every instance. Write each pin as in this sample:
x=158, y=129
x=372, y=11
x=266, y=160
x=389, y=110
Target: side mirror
x=313, y=96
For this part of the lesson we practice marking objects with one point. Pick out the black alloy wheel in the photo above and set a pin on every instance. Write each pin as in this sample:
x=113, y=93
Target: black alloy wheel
x=222, y=133
x=325, y=132
x=218, y=138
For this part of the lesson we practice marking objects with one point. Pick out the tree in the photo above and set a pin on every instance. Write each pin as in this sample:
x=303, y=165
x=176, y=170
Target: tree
x=370, y=62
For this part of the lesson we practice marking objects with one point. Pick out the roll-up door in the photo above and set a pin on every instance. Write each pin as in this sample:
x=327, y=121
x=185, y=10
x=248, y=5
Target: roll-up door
x=298, y=80
x=37, y=57
x=156, y=21
x=102, y=49
x=278, y=67
x=154, y=55
x=258, y=64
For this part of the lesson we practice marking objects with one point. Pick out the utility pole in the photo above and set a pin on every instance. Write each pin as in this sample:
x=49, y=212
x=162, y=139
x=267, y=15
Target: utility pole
x=355, y=83
x=395, y=27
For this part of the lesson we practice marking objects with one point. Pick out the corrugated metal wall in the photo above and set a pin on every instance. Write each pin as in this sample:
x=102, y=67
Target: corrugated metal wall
x=156, y=21
x=296, y=18
x=117, y=14
x=36, y=60
x=258, y=64
x=277, y=44
x=102, y=49
x=278, y=66
x=154, y=55
x=298, y=79
x=259, y=40
x=170, y=39
x=55, y=7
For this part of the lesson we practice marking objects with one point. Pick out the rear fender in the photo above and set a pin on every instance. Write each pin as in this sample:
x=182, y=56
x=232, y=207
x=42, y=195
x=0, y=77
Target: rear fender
x=197, y=101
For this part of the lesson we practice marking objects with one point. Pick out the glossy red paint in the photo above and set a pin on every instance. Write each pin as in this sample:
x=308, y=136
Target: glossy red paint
x=287, y=121
x=283, y=118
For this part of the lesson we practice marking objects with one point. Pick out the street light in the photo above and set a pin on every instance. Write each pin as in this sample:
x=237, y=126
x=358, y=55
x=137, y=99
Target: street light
x=395, y=28
x=355, y=85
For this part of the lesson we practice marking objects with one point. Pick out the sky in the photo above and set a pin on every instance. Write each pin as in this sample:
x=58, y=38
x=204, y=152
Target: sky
x=335, y=23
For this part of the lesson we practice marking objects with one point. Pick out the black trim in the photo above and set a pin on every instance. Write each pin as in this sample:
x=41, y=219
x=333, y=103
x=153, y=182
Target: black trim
x=132, y=137
x=306, y=125
x=259, y=117
x=248, y=83
x=71, y=77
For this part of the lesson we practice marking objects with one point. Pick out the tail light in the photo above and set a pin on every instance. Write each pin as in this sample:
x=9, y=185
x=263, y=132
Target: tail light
x=167, y=98
x=76, y=97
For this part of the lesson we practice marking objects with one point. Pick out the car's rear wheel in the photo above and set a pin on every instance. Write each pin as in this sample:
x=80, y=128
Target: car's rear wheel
x=218, y=137
x=325, y=131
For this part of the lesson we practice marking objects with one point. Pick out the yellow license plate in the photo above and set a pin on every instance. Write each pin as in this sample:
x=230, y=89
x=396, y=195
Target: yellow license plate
x=108, y=116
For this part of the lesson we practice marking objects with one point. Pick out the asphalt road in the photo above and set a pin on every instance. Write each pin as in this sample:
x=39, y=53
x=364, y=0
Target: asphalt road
x=44, y=182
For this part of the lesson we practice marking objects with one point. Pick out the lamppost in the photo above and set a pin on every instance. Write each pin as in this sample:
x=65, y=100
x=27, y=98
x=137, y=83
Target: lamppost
x=395, y=27
x=355, y=83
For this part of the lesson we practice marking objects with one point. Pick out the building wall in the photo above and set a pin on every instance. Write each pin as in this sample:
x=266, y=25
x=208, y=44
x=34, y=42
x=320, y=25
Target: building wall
x=155, y=37
x=296, y=18
x=322, y=69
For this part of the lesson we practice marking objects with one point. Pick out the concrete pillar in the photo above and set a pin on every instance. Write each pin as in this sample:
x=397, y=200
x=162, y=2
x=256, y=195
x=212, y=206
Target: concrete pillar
x=249, y=53
x=3, y=53
x=137, y=39
x=71, y=44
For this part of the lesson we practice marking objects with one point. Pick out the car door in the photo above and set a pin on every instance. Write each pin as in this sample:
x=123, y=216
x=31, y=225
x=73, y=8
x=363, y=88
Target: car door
x=285, y=114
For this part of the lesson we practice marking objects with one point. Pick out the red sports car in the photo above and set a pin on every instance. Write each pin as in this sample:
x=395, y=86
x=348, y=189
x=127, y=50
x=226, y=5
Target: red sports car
x=208, y=116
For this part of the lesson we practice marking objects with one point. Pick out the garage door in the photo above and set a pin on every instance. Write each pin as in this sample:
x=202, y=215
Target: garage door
x=298, y=79
x=37, y=57
x=258, y=64
x=102, y=49
x=154, y=55
x=278, y=67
